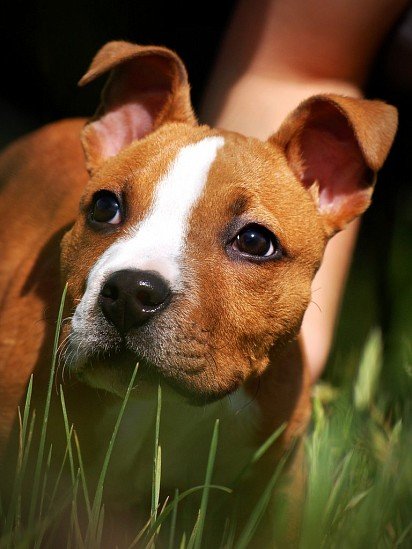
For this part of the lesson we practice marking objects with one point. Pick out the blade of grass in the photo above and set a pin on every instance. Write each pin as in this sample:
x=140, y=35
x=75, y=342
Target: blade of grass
x=25, y=438
x=26, y=414
x=339, y=484
x=30, y=536
x=256, y=456
x=69, y=432
x=208, y=478
x=156, y=485
x=152, y=541
x=193, y=535
x=225, y=542
x=75, y=529
x=354, y=502
x=140, y=534
x=156, y=475
x=97, y=502
x=403, y=535
x=260, y=452
x=259, y=509
x=100, y=527
x=266, y=445
x=40, y=453
x=60, y=474
x=183, y=541
x=228, y=541
x=39, y=538
x=169, y=508
x=13, y=521
x=369, y=369
x=24, y=447
x=172, y=534
x=83, y=476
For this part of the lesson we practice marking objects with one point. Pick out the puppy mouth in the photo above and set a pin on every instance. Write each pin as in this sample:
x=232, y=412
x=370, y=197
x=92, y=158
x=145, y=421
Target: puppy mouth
x=112, y=372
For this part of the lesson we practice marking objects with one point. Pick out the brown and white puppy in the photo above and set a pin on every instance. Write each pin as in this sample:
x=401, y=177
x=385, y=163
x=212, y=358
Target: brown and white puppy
x=192, y=253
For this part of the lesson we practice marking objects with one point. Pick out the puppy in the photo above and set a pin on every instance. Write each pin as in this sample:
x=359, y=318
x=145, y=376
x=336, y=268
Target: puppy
x=192, y=253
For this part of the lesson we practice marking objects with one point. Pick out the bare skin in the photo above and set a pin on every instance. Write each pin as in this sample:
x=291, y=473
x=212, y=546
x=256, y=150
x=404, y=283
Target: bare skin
x=277, y=53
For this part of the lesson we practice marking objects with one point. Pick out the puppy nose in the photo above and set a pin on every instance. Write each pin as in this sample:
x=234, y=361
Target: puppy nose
x=130, y=298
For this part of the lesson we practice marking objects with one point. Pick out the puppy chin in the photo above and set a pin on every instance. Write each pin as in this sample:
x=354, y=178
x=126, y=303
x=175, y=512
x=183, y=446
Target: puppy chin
x=145, y=388
x=113, y=375
x=199, y=394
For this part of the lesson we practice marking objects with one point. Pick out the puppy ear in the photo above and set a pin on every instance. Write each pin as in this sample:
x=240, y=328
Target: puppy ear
x=335, y=145
x=147, y=87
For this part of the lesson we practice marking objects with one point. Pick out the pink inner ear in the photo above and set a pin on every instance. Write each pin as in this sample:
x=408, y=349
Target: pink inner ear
x=120, y=127
x=331, y=156
x=127, y=122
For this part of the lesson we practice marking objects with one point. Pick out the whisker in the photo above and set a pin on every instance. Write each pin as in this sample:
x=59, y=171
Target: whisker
x=252, y=400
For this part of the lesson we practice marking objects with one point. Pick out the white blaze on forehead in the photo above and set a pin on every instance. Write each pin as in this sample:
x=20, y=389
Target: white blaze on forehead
x=157, y=242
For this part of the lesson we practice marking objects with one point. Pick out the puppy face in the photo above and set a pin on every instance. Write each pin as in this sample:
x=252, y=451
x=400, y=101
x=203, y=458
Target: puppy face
x=218, y=224
x=194, y=249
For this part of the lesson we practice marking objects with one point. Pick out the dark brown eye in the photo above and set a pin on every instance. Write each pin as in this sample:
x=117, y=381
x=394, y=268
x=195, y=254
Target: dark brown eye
x=257, y=241
x=106, y=208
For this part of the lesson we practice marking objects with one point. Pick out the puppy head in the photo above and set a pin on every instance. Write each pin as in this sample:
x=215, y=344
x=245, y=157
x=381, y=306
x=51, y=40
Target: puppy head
x=194, y=249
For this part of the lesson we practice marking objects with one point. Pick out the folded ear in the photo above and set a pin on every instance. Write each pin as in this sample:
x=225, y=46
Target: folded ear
x=335, y=145
x=147, y=87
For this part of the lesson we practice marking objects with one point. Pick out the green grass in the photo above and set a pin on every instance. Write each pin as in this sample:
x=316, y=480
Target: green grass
x=358, y=452
x=359, y=491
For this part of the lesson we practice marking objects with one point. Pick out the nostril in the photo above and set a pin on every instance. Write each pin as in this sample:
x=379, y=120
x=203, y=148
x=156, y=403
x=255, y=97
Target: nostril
x=151, y=294
x=110, y=290
x=146, y=297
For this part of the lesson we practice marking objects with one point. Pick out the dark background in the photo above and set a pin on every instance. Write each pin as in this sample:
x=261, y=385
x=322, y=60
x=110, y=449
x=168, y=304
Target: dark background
x=47, y=46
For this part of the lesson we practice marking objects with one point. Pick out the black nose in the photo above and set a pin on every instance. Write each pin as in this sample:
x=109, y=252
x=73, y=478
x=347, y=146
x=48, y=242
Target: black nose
x=130, y=297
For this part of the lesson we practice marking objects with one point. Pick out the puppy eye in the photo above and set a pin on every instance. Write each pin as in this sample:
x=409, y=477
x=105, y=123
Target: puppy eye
x=257, y=241
x=106, y=208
